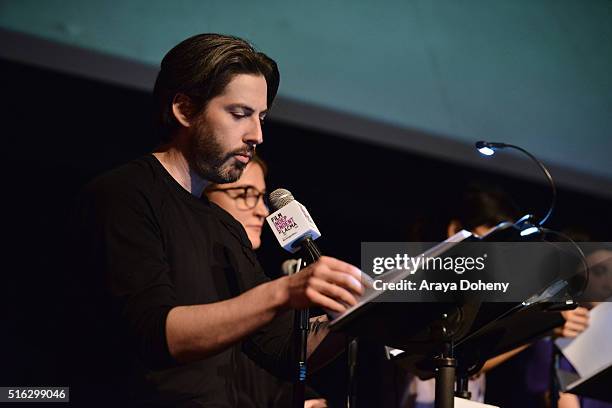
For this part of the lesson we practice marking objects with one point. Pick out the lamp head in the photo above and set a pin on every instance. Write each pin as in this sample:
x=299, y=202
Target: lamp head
x=488, y=148
x=526, y=225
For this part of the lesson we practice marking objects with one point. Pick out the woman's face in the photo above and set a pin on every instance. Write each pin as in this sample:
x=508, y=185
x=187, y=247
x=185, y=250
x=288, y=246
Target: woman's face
x=599, y=287
x=233, y=200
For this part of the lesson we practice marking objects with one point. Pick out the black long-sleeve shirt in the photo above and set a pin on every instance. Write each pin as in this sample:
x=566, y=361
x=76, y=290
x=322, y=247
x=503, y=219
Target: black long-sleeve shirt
x=147, y=245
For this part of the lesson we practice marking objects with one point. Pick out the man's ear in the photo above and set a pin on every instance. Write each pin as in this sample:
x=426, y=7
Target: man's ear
x=183, y=109
x=453, y=227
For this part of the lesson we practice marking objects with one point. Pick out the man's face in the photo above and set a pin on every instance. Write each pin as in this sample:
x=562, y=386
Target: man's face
x=224, y=136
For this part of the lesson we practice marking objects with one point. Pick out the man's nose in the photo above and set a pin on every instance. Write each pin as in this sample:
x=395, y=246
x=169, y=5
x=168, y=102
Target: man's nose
x=255, y=134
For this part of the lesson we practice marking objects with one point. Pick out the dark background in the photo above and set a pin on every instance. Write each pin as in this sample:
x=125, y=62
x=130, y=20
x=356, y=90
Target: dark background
x=61, y=131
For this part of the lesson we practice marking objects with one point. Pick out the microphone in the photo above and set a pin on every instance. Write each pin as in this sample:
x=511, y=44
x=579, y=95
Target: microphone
x=291, y=224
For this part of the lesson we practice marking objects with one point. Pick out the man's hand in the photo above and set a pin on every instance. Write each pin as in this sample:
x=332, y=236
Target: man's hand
x=329, y=283
x=576, y=321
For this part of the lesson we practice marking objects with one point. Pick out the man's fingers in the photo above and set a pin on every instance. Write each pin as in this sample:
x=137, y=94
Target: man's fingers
x=343, y=280
x=323, y=301
x=331, y=283
x=341, y=266
x=338, y=277
x=335, y=292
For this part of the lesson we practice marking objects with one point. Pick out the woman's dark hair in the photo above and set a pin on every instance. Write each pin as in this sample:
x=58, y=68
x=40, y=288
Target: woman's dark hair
x=262, y=164
x=200, y=67
x=483, y=204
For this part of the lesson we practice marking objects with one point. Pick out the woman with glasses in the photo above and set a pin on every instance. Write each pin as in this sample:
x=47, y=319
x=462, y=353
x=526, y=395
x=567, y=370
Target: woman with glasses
x=245, y=199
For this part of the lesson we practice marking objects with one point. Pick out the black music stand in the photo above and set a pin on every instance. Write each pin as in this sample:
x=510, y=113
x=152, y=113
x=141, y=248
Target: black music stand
x=446, y=338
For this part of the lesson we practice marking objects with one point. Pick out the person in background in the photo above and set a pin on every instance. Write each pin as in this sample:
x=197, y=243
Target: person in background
x=597, y=290
x=245, y=201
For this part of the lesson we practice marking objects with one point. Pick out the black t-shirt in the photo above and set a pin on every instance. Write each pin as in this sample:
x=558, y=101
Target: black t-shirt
x=146, y=245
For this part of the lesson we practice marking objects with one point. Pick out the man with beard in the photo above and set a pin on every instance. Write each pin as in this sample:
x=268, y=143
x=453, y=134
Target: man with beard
x=182, y=304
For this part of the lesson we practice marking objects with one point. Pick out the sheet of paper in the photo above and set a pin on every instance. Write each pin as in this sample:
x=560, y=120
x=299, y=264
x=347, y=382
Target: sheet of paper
x=592, y=349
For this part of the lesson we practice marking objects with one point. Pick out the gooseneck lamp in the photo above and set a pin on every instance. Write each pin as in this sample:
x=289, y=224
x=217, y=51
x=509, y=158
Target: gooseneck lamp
x=489, y=148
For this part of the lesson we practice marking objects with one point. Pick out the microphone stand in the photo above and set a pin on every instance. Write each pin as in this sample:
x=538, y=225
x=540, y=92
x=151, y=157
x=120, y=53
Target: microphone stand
x=301, y=320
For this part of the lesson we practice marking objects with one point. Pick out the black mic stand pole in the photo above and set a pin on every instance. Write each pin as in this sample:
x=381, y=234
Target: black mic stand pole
x=301, y=320
x=352, y=346
x=301, y=323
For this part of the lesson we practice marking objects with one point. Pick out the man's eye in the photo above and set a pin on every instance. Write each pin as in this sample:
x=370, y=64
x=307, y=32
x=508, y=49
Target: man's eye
x=238, y=115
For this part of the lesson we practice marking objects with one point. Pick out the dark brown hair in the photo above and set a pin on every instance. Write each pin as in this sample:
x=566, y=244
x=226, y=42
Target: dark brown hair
x=484, y=204
x=259, y=161
x=200, y=67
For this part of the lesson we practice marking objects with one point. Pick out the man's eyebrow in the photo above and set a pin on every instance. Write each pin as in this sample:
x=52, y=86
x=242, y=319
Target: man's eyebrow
x=246, y=108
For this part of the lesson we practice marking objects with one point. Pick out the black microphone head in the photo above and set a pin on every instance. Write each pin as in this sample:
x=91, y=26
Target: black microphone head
x=280, y=198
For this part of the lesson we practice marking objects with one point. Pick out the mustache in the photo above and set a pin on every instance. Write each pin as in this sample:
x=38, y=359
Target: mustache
x=247, y=151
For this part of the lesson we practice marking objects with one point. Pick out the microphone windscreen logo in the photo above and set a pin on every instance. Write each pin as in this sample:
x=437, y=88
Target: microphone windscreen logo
x=283, y=223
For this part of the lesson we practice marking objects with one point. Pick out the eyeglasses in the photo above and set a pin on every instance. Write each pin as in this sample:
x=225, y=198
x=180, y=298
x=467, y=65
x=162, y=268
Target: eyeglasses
x=246, y=197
